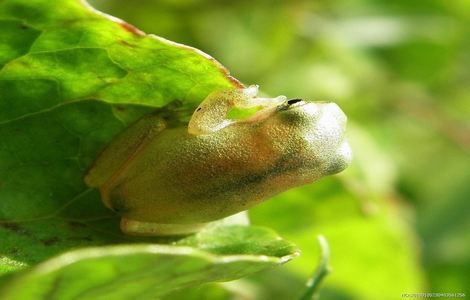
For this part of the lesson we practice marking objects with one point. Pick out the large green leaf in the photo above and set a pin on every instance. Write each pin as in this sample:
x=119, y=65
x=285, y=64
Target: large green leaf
x=147, y=271
x=71, y=78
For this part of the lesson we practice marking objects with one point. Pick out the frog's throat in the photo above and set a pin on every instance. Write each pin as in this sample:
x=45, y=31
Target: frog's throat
x=133, y=227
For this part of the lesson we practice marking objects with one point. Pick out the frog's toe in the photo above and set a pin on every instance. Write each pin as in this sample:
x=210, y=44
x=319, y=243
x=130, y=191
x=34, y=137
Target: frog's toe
x=133, y=227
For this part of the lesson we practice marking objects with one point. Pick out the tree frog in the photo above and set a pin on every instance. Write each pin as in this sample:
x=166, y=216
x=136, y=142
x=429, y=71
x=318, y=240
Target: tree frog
x=169, y=180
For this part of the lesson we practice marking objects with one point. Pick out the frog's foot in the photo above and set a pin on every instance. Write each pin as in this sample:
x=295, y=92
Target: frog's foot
x=251, y=100
x=213, y=113
x=133, y=227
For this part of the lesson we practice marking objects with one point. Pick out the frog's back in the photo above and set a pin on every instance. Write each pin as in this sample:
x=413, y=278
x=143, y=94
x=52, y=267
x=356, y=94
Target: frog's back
x=187, y=179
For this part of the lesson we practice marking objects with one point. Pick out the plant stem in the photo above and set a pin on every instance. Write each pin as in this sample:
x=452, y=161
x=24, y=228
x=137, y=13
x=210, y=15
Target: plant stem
x=323, y=269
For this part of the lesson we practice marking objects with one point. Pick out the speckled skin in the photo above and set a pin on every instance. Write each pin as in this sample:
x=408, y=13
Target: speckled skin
x=170, y=176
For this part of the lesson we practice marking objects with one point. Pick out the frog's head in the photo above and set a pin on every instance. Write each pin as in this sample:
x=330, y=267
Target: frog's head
x=306, y=137
x=166, y=180
x=312, y=133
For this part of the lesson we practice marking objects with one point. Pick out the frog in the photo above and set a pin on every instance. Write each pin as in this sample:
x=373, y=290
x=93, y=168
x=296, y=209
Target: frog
x=165, y=179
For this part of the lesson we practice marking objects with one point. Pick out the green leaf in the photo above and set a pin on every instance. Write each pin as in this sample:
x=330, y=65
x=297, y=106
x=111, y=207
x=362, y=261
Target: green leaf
x=147, y=271
x=71, y=78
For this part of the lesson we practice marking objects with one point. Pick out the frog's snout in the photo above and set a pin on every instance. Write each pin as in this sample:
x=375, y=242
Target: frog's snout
x=340, y=160
x=334, y=117
x=327, y=135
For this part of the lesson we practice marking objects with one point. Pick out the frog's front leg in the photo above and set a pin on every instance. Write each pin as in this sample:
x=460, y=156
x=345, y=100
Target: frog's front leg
x=212, y=114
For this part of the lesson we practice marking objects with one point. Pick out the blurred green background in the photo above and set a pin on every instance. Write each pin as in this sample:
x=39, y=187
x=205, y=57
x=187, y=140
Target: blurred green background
x=398, y=220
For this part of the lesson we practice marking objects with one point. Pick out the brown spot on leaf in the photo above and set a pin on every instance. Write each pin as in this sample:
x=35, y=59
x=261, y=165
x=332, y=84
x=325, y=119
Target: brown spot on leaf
x=131, y=28
x=125, y=43
x=76, y=224
x=51, y=241
x=227, y=75
x=233, y=80
x=14, y=227
x=85, y=238
x=14, y=251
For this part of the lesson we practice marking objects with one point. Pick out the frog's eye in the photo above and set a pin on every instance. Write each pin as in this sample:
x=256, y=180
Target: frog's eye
x=294, y=101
